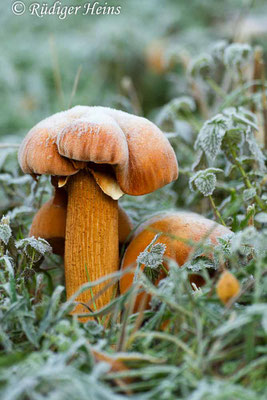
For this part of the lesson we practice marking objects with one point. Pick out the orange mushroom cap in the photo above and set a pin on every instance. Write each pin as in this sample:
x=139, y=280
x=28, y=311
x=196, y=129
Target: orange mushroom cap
x=184, y=225
x=140, y=155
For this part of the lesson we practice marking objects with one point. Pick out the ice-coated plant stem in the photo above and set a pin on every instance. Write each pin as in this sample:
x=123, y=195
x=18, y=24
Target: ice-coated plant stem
x=217, y=212
x=246, y=178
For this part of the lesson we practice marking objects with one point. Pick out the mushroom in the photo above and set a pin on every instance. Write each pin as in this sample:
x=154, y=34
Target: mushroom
x=181, y=224
x=227, y=287
x=49, y=222
x=155, y=57
x=98, y=153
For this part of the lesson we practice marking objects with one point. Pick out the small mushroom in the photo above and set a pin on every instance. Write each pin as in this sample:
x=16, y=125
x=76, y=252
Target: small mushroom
x=156, y=57
x=49, y=222
x=182, y=225
x=227, y=287
x=102, y=153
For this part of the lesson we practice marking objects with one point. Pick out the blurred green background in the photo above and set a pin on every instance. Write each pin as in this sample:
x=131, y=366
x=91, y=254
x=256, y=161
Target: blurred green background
x=125, y=61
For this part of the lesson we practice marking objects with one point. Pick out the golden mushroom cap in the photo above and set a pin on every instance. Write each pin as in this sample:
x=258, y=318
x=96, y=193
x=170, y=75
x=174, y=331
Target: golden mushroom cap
x=186, y=226
x=140, y=155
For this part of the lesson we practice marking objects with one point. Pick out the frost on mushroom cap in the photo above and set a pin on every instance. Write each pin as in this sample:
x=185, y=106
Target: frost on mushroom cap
x=140, y=154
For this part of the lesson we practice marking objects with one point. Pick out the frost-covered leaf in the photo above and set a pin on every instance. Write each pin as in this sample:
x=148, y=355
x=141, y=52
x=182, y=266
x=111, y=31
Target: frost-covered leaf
x=8, y=263
x=93, y=328
x=249, y=242
x=261, y=218
x=17, y=211
x=33, y=248
x=183, y=104
x=201, y=259
x=224, y=244
x=235, y=138
x=176, y=107
x=217, y=50
x=204, y=181
x=201, y=66
x=210, y=137
x=152, y=258
x=199, y=160
x=199, y=263
x=228, y=131
x=5, y=230
x=255, y=149
x=240, y=122
x=236, y=55
x=249, y=194
x=241, y=116
x=5, y=233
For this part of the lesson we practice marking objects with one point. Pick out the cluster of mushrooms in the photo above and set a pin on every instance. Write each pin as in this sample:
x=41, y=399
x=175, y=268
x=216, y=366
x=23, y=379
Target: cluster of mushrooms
x=94, y=155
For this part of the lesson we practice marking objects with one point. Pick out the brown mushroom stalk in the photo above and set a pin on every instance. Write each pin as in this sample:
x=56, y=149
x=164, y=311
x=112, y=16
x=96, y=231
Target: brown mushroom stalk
x=92, y=219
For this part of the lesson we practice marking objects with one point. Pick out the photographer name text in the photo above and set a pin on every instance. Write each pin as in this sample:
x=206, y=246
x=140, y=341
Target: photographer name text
x=62, y=11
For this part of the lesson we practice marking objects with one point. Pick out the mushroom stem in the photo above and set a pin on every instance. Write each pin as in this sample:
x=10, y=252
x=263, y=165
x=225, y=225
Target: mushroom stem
x=91, y=239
